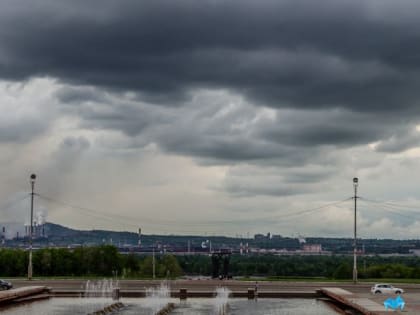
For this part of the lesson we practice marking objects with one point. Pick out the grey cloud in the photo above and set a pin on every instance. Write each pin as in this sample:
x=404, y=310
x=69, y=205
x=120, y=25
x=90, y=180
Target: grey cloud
x=328, y=127
x=309, y=176
x=222, y=127
x=22, y=131
x=71, y=144
x=221, y=147
x=247, y=189
x=129, y=119
x=401, y=141
x=335, y=75
x=63, y=161
x=67, y=155
x=14, y=208
x=100, y=109
x=79, y=94
x=359, y=55
x=213, y=126
x=25, y=115
x=251, y=180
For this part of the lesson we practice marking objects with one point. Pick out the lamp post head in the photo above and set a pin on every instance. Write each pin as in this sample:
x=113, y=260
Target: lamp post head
x=33, y=177
x=355, y=181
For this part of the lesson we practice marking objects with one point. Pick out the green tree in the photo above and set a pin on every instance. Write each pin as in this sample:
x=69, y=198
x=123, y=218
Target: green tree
x=169, y=267
x=343, y=271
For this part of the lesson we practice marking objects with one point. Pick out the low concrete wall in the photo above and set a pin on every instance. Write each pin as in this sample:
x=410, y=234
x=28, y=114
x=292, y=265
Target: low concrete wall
x=200, y=294
x=12, y=295
x=108, y=309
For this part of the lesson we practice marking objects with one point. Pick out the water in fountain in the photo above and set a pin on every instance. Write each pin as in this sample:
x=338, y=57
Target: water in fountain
x=221, y=301
x=98, y=294
x=102, y=288
x=157, y=297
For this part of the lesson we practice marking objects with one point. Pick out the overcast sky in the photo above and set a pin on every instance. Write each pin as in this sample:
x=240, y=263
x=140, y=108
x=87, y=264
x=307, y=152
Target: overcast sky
x=212, y=117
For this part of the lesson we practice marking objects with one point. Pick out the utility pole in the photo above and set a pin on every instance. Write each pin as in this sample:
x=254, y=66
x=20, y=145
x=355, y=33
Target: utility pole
x=32, y=181
x=355, y=184
x=139, y=238
x=153, y=262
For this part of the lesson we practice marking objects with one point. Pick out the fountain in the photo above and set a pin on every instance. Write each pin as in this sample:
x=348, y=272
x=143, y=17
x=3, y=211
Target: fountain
x=221, y=301
x=192, y=306
x=100, y=289
x=158, y=298
x=97, y=299
x=99, y=294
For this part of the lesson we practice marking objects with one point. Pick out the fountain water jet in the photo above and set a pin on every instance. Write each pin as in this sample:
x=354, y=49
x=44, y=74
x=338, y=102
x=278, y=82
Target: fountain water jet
x=221, y=301
x=100, y=289
x=97, y=296
x=157, y=298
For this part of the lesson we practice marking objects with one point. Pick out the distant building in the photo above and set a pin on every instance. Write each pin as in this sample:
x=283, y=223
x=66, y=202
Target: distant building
x=38, y=230
x=3, y=235
x=262, y=237
x=312, y=248
x=259, y=237
x=415, y=252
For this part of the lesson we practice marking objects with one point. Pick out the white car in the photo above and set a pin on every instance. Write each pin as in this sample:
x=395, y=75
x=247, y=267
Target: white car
x=384, y=288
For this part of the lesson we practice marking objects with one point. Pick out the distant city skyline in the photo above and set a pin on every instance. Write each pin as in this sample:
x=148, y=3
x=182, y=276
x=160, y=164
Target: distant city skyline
x=212, y=117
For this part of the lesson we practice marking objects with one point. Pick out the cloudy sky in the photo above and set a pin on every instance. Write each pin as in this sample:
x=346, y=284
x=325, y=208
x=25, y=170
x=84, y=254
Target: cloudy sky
x=212, y=117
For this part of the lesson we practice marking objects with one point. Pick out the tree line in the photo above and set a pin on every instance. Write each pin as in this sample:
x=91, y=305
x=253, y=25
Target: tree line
x=95, y=261
x=106, y=261
x=328, y=267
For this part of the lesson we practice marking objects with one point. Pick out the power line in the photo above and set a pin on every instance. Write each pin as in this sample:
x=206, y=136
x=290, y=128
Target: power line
x=402, y=206
x=148, y=220
x=303, y=212
x=173, y=224
x=391, y=209
x=391, y=203
x=88, y=212
x=128, y=220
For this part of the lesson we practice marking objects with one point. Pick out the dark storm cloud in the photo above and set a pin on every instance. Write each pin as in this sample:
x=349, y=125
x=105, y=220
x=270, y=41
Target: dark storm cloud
x=404, y=139
x=99, y=109
x=360, y=55
x=77, y=95
x=219, y=127
x=166, y=73
x=250, y=181
x=328, y=127
x=252, y=188
x=208, y=127
x=305, y=176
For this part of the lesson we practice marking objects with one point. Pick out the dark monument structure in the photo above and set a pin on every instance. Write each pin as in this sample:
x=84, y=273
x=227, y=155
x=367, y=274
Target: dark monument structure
x=220, y=264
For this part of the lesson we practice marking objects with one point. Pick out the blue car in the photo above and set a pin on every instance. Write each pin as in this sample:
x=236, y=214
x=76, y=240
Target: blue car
x=4, y=285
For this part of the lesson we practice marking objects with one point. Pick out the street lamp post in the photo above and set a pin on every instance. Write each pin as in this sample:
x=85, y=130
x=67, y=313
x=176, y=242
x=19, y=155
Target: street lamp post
x=32, y=181
x=153, y=263
x=355, y=184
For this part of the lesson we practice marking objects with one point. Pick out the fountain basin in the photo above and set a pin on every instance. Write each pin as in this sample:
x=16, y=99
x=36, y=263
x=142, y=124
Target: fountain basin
x=198, y=306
